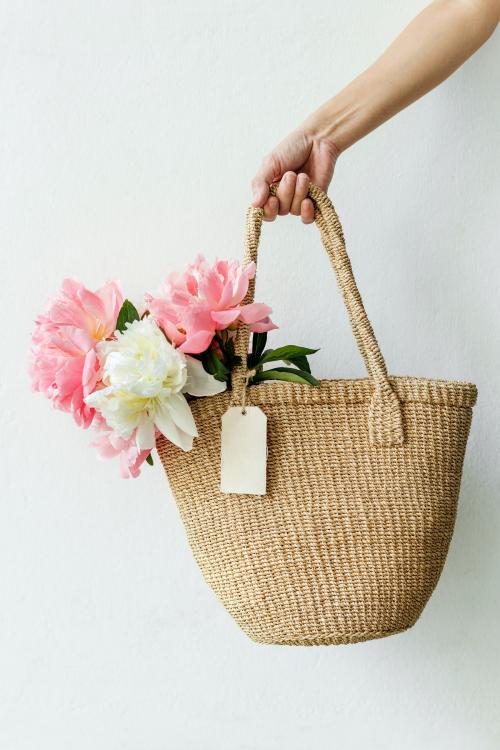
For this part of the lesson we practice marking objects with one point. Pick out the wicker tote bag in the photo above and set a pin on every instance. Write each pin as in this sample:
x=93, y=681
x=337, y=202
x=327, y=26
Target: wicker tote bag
x=363, y=479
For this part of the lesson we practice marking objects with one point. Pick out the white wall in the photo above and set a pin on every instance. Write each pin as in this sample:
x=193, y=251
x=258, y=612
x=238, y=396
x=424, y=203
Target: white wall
x=129, y=132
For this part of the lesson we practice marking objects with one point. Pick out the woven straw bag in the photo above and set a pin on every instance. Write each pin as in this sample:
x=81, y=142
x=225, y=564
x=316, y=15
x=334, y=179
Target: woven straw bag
x=363, y=479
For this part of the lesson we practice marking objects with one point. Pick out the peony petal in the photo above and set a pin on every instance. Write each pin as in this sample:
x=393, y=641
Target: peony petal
x=250, y=269
x=182, y=415
x=131, y=462
x=90, y=374
x=262, y=326
x=210, y=286
x=172, y=333
x=97, y=398
x=104, y=447
x=112, y=300
x=239, y=286
x=199, y=381
x=254, y=312
x=225, y=317
x=197, y=343
x=145, y=435
x=169, y=429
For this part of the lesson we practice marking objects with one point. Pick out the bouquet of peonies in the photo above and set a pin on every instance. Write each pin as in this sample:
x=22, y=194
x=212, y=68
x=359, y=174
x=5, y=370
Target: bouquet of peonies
x=130, y=374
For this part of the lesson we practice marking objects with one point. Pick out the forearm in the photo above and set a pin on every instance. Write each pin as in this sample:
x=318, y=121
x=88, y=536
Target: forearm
x=429, y=49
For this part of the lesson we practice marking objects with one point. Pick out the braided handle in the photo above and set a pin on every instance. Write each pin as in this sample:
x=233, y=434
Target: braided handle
x=384, y=419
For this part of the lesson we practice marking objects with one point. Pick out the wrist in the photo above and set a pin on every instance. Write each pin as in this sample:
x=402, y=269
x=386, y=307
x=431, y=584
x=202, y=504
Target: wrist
x=330, y=123
x=346, y=117
x=322, y=124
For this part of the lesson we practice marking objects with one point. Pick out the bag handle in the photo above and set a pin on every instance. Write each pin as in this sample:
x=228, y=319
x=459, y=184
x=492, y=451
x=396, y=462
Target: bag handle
x=384, y=417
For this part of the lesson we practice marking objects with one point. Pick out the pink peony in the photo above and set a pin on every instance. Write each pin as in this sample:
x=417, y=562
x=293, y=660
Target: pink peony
x=64, y=363
x=109, y=445
x=205, y=299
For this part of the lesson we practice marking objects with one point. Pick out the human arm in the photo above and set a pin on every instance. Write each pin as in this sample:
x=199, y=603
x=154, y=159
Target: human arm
x=442, y=37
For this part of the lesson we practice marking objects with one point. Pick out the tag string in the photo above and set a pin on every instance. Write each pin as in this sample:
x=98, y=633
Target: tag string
x=249, y=375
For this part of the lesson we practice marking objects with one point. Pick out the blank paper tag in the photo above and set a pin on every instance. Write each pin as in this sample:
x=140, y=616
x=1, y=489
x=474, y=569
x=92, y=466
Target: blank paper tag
x=243, y=451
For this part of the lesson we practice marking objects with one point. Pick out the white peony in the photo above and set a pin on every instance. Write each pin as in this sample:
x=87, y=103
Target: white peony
x=144, y=379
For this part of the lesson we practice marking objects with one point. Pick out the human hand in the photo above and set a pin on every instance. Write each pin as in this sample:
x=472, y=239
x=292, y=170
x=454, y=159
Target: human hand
x=302, y=157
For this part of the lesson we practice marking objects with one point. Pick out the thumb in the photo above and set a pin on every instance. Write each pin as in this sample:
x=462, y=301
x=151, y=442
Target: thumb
x=268, y=173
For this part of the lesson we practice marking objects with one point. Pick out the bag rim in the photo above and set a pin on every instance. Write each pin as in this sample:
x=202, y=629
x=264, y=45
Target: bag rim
x=439, y=392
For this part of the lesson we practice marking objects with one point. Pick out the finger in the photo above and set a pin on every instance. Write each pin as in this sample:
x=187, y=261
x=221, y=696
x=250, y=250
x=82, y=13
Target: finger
x=301, y=188
x=271, y=208
x=267, y=174
x=307, y=211
x=260, y=192
x=286, y=190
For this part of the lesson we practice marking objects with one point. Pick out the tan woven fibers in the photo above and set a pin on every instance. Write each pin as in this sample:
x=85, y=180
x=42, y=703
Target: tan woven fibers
x=363, y=480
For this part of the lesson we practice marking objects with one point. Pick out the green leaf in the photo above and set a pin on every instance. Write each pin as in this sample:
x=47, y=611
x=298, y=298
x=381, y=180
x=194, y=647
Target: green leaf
x=149, y=459
x=128, y=313
x=259, y=341
x=214, y=366
x=258, y=345
x=286, y=353
x=289, y=374
x=300, y=362
x=230, y=359
x=233, y=361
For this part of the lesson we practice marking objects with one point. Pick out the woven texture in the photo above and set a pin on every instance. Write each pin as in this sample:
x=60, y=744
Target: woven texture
x=363, y=480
